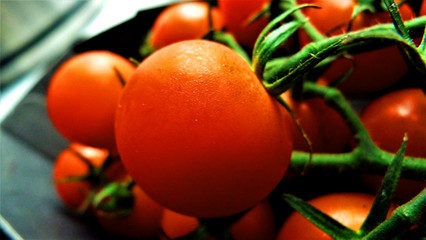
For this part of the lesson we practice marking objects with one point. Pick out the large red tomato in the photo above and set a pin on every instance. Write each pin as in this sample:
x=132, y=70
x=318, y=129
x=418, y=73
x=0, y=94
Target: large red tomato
x=387, y=119
x=143, y=221
x=82, y=97
x=323, y=125
x=350, y=209
x=237, y=15
x=70, y=163
x=199, y=133
x=373, y=70
x=183, y=21
x=258, y=223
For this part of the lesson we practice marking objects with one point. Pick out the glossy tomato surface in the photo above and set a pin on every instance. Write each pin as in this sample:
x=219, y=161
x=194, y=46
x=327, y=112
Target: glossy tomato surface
x=143, y=222
x=423, y=9
x=199, y=133
x=350, y=209
x=258, y=223
x=70, y=163
x=323, y=125
x=183, y=21
x=390, y=116
x=83, y=94
x=387, y=119
x=373, y=70
x=237, y=15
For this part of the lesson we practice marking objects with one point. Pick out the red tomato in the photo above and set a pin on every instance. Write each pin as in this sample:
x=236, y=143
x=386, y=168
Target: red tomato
x=350, y=209
x=183, y=21
x=237, y=14
x=258, y=223
x=199, y=133
x=373, y=70
x=423, y=9
x=69, y=163
x=387, y=119
x=390, y=116
x=323, y=125
x=143, y=221
x=82, y=97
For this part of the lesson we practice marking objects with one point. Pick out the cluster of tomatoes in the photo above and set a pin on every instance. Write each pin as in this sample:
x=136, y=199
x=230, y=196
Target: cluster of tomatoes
x=188, y=141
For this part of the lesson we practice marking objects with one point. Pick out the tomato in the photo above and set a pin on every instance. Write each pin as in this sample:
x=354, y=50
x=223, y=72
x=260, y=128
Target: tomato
x=199, y=133
x=69, y=163
x=373, y=70
x=258, y=223
x=82, y=97
x=237, y=14
x=350, y=209
x=183, y=21
x=387, y=119
x=142, y=222
x=423, y=9
x=323, y=125
x=390, y=116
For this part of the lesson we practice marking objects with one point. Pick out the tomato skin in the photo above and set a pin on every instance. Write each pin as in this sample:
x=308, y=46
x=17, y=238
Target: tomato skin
x=192, y=132
x=390, y=116
x=423, y=9
x=350, y=209
x=143, y=222
x=387, y=119
x=183, y=21
x=374, y=70
x=68, y=164
x=82, y=97
x=323, y=125
x=258, y=223
x=237, y=13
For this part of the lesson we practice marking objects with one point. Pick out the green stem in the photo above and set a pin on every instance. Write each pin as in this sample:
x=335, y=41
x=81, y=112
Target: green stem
x=310, y=29
x=359, y=161
x=307, y=58
x=366, y=157
x=401, y=219
x=397, y=20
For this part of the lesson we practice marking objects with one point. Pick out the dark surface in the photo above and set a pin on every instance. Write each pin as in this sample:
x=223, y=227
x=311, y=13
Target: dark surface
x=30, y=143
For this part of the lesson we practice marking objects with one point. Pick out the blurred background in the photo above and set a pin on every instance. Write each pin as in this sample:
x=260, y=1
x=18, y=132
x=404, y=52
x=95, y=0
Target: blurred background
x=36, y=35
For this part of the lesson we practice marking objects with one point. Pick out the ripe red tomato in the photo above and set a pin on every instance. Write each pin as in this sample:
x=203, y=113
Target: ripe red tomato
x=390, y=116
x=423, y=9
x=82, y=97
x=373, y=70
x=237, y=14
x=387, y=119
x=350, y=209
x=142, y=223
x=183, y=21
x=199, y=133
x=323, y=125
x=258, y=223
x=70, y=164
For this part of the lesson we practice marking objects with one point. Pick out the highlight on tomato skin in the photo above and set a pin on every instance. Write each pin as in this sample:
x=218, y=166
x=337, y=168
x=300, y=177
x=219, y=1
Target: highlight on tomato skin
x=69, y=163
x=348, y=208
x=373, y=70
x=183, y=21
x=82, y=96
x=387, y=119
x=257, y=223
x=198, y=131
